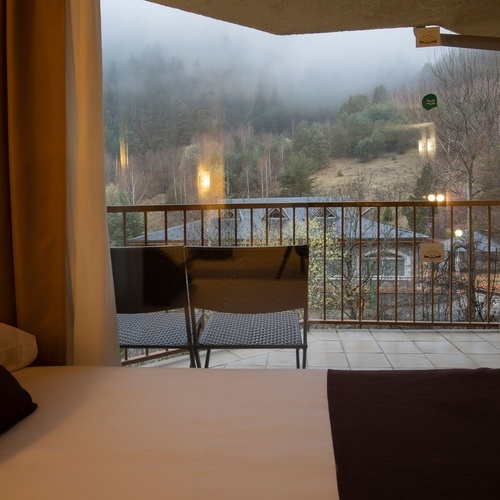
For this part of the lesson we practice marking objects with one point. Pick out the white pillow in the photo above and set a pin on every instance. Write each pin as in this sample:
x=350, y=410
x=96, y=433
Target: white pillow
x=17, y=347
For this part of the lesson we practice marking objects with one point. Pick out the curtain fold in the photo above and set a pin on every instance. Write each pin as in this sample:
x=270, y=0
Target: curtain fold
x=93, y=329
x=55, y=278
x=33, y=173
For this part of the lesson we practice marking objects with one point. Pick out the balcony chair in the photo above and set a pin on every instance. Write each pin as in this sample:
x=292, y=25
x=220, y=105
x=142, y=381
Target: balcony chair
x=152, y=298
x=251, y=296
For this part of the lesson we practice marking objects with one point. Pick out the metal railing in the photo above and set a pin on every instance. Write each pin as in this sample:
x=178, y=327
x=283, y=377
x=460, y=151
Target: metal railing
x=367, y=261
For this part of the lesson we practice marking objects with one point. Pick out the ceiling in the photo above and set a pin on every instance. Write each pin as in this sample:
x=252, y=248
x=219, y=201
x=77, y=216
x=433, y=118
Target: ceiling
x=286, y=17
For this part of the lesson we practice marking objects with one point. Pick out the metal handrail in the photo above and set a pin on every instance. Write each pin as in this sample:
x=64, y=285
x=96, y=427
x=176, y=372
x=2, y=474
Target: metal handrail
x=366, y=240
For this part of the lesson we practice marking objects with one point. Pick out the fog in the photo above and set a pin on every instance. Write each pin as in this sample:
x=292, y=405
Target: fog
x=321, y=66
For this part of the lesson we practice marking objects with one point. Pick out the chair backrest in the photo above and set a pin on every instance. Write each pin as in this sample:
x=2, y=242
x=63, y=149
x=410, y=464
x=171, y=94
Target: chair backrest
x=248, y=279
x=148, y=279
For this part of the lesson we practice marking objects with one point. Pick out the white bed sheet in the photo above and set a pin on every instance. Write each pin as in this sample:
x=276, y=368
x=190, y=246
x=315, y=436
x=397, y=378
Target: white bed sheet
x=117, y=432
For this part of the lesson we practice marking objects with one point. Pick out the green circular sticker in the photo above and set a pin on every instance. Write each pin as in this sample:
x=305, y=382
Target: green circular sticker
x=430, y=101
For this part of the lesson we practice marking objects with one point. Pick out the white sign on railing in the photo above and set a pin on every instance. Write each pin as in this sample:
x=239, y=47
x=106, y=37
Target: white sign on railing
x=431, y=252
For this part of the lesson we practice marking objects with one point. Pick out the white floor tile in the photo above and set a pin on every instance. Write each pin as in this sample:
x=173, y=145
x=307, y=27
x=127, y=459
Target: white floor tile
x=325, y=346
x=446, y=360
x=436, y=347
x=330, y=359
x=323, y=334
x=476, y=347
x=399, y=360
x=399, y=347
x=489, y=335
x=388, y=335
x=367, y=360
x=486, y=360
x=461, y=336
x=429, y=336
x=361, y=346
x=355, y=335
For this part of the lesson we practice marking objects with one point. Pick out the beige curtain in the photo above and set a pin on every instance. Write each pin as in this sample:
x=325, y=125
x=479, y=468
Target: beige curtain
x=94, y=329
x=54, y=260
x=33, y=189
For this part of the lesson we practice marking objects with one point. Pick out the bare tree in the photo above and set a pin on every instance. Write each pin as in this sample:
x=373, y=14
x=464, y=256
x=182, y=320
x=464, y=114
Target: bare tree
x=466, y=119
x=358, y=189
x=184, y=174
x=133, y=181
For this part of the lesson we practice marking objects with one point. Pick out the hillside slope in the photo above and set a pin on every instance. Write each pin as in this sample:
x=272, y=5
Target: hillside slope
x=384, y=175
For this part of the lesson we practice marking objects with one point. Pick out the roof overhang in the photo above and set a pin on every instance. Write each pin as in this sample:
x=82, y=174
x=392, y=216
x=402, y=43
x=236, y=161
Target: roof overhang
x=476, y=18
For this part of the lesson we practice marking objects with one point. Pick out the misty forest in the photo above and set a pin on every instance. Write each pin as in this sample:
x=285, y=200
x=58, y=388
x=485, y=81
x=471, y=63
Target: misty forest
x=166, y=118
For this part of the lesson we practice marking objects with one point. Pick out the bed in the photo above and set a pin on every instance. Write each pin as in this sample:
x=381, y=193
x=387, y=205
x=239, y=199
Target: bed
x=113, y=432
x=123, y=432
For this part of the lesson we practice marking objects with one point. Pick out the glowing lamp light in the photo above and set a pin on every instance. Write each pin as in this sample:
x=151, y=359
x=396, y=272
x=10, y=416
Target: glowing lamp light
x=435, y=197
x=204, y=182
x=458, y=233
x=427, y=147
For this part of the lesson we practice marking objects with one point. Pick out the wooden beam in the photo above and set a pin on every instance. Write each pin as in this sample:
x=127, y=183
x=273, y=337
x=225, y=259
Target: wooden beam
x=470, y=42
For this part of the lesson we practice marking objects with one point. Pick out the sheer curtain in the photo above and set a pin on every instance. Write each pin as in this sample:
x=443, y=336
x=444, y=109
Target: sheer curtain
x=91, y=296
x=55, y=279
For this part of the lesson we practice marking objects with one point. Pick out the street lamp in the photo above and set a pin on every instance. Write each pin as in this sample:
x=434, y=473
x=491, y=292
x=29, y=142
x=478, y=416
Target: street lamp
x=435, y=197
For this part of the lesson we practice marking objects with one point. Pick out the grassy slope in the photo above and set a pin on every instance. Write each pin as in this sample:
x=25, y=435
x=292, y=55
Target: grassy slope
x=385, y=173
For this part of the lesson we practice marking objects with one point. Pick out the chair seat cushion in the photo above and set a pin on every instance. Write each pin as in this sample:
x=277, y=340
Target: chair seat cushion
x=281, y=329
x=157, y=329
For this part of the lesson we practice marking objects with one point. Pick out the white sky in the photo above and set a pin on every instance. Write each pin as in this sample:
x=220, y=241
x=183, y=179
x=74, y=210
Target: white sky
x=358, y=57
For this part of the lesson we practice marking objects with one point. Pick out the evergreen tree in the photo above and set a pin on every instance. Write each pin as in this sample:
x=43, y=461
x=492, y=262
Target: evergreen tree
x=355, y=104
x=380, y=95
x=296, y=179
x=426, y=183
x=278, y=117
x=318, y=147
x=259, y=115
x=116, y=196
x=301, y=137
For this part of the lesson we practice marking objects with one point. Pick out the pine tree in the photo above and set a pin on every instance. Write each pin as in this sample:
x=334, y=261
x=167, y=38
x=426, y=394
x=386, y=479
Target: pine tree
x=296, y=179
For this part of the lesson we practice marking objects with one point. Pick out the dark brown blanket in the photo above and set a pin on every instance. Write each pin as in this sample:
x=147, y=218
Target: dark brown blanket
x=405, y=435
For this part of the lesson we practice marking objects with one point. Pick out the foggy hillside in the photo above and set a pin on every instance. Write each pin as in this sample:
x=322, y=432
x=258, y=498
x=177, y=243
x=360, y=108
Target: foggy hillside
x=261, y=112
x=313, y=70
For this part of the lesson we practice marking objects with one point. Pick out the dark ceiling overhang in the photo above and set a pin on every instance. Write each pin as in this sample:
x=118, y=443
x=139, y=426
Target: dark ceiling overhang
x=475, y=18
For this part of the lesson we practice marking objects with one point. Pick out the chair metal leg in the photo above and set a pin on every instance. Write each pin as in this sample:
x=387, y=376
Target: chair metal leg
x=207, y=359
x=197, y=357
x=297, y=358
x=197, y=331
x=304, y=358
x=192, y=357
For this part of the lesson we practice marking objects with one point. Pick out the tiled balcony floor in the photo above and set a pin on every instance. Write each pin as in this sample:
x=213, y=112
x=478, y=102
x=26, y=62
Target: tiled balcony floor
x=367, y=349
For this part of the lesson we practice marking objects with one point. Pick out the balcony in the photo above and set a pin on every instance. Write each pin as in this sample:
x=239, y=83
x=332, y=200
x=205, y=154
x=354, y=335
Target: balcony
x=399, y=265
x=370, y=349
